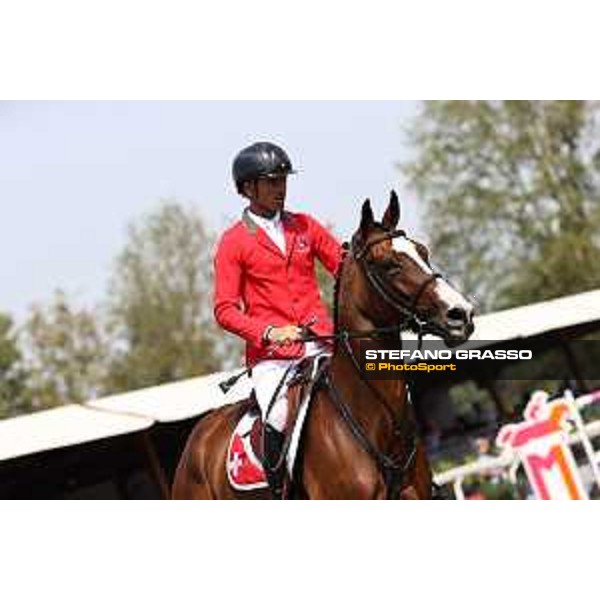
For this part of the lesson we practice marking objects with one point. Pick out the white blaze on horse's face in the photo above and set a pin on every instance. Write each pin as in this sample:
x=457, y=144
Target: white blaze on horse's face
x=453, y=299
x=403, y=245
x=458, y=309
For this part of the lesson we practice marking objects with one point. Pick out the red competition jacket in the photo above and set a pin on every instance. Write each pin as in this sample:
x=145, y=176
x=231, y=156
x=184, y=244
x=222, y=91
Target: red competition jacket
x=257, y=286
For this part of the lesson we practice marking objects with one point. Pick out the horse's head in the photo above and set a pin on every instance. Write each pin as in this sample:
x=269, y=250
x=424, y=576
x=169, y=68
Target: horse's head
x=395, y=283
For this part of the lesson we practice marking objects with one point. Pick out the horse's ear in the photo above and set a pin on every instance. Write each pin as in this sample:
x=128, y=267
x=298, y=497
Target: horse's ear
x=392, y=213
x=367, y=217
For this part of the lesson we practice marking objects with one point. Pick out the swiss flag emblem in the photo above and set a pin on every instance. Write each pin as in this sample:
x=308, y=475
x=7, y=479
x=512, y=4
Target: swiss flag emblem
x=243, y=471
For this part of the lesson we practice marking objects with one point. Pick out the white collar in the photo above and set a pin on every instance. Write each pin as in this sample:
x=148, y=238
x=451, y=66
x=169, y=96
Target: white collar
x=265, y=222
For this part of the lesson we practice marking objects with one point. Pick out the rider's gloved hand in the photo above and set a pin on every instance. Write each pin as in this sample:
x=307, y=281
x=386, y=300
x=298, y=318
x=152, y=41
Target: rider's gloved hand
x=282, y=336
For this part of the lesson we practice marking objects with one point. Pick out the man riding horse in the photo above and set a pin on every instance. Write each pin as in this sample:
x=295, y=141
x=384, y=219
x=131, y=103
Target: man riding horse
x=266, y=288
x=358, y=437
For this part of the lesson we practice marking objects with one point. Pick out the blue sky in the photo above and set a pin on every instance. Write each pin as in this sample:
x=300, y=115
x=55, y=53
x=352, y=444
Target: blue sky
x=74, y=174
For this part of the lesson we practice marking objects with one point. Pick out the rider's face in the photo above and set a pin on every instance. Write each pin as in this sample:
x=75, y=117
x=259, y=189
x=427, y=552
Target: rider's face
x=267, y=196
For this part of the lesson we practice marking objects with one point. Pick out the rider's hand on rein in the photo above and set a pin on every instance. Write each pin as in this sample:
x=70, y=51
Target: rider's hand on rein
x=283, y=336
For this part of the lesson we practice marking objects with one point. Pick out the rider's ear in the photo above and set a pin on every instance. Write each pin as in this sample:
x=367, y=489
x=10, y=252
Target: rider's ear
x=392, y=214
x=367, y=217
x=249, y=189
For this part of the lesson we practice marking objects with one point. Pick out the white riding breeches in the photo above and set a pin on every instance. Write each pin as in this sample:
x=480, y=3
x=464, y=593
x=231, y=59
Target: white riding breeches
x=266, y=376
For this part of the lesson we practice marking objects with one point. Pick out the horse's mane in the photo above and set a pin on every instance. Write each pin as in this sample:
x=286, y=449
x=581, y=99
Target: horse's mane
x=336, y=289
x=346, y=250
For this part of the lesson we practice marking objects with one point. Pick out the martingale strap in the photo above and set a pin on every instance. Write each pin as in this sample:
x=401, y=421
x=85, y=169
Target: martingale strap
x=393, y=470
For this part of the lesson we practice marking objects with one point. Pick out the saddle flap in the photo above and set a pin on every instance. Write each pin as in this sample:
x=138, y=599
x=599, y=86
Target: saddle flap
x=245, y=452
x=244, y=468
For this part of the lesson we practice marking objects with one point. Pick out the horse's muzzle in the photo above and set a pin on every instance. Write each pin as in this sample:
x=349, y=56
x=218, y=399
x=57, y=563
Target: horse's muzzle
x=458, y=325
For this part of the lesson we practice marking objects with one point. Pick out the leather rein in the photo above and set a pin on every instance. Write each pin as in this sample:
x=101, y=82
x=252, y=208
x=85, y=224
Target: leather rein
x=393, y=469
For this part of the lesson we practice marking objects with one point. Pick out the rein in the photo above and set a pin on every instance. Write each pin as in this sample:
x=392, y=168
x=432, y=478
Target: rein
x=393, y=469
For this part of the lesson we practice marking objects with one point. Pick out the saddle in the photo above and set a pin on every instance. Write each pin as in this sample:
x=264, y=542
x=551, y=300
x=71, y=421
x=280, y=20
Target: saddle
x=245, y=455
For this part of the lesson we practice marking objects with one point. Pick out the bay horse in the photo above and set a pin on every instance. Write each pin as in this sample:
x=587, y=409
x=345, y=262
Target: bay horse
x=359, y=439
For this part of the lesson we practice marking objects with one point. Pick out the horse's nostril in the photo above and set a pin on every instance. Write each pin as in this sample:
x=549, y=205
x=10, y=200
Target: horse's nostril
x=456, y=313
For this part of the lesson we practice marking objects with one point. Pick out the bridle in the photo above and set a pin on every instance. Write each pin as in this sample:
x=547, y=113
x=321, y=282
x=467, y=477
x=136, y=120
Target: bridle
x=392, y=468
x=405, y=305
x=402, y=304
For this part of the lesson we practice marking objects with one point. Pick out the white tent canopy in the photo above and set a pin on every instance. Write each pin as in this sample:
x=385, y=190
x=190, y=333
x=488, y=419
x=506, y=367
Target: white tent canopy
x=176, y=401
x=115, y=415
x=63, y=426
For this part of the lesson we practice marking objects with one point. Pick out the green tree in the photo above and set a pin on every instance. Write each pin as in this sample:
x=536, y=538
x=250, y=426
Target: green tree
x=511, y=191
x=12, y=377
x=161, y=302
x=65, y=353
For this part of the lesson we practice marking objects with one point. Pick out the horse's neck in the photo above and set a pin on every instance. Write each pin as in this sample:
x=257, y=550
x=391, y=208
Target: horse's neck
x=365, y=399
x=345, y=376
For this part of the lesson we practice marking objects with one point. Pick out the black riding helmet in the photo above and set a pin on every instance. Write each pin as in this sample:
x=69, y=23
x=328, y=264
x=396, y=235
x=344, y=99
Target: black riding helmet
x=261, y=160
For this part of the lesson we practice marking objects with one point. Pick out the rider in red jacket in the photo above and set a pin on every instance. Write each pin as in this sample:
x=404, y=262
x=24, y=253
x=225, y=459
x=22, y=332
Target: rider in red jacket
x=265, y=282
